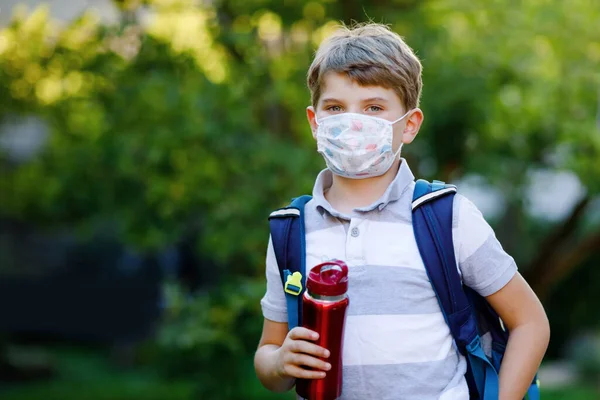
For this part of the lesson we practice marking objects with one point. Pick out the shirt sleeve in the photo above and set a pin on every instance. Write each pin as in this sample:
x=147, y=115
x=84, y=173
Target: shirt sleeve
x=484, y=265
x=273, y=303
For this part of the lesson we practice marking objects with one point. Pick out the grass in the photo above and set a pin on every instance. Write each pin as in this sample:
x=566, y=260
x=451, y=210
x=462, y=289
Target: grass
x=89, y=375
x=571, y=393
x=84, y=374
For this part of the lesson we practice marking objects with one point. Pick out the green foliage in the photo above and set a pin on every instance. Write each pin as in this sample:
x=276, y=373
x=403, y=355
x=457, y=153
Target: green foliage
x=143, y=135
x=218, y=323
x=585, y=353
x=572, y=308
x=211, y=339
x=197, y=117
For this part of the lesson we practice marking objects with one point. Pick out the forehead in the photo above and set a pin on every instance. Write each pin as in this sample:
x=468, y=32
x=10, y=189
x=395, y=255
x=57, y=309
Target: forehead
x=340, y=86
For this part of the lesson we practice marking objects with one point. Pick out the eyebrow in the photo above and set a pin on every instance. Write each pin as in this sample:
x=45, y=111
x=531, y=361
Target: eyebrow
x=369, y=100
x=374, y=99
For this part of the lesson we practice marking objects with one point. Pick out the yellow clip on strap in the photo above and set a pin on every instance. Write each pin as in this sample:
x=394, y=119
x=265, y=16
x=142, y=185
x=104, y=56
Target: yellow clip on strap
x=293, y=284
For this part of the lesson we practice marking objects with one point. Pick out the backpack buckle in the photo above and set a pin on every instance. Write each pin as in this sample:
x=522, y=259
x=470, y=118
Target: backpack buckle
x=437, y=185
x=293, y=283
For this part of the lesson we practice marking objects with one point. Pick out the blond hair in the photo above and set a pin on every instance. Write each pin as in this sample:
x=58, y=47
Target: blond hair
x=371, y=55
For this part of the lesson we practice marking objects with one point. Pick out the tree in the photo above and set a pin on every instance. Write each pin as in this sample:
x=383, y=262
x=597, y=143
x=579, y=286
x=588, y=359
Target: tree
x=194, y=117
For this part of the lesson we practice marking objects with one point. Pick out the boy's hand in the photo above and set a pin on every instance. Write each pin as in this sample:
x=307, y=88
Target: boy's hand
x=297, y=352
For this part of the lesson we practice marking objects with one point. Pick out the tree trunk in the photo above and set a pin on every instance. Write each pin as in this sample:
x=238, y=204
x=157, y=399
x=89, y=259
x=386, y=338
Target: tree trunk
x=557, y=257
x=564, y=264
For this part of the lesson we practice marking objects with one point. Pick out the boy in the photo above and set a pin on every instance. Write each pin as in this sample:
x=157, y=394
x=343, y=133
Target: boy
x=365, y=84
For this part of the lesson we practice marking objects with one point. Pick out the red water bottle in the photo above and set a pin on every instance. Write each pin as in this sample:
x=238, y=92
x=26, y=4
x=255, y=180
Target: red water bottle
x=324, y=311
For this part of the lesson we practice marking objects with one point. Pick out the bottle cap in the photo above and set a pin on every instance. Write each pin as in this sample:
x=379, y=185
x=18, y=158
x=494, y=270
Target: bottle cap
x=328, y=279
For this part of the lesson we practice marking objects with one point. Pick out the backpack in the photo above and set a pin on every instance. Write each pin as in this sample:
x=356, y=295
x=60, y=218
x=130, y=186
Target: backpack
x=473, y=323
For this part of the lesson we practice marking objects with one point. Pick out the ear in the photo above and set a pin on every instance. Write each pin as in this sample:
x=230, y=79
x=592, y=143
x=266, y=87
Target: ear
x=413, y=124
x=312, y=120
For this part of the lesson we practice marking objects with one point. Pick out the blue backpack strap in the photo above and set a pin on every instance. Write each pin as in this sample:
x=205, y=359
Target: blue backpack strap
x=289, y=245
x=432, y=224
x=534, y=390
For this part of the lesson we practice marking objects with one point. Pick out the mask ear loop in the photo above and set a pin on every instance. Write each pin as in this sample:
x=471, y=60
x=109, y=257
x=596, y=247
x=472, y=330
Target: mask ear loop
x=397, y=153
x=401, y=118
x=318, y=126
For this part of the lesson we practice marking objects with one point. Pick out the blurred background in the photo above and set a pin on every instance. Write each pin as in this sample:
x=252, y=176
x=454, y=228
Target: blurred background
x=143, y=144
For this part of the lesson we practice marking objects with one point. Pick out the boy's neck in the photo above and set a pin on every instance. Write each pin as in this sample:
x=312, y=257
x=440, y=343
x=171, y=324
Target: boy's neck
x=346, y=194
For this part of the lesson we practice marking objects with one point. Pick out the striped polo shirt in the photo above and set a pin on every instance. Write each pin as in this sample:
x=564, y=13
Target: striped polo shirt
x=396, y=344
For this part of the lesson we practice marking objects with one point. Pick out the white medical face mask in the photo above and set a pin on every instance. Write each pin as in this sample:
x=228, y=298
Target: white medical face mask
x=357, y=146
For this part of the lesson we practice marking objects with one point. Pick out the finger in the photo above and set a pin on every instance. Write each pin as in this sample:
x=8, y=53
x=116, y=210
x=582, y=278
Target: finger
x=309, y=361
x=302, y=346
x=303, y=333
x=298, y=372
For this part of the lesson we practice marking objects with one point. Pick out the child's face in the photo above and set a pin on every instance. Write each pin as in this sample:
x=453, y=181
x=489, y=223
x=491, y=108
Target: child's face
x=340, y=94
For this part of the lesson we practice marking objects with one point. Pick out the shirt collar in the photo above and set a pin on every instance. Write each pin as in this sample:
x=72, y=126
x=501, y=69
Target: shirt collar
x=404, y=177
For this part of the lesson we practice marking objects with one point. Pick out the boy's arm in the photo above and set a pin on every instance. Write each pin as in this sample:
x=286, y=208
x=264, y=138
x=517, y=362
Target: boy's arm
x=524, y=316
x=265, y=359
x=489, y=270
x=282, y=356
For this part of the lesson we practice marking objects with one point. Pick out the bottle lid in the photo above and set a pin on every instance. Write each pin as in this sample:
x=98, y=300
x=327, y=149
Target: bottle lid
x=328, y=279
